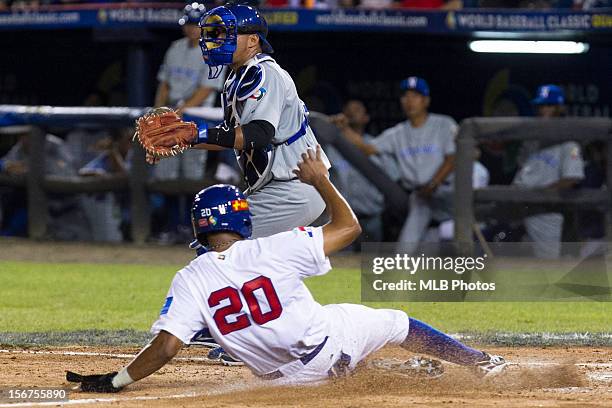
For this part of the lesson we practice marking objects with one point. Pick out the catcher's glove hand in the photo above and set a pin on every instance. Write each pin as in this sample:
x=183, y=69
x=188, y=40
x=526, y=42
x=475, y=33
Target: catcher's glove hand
x=94, y=383
x=162, y=133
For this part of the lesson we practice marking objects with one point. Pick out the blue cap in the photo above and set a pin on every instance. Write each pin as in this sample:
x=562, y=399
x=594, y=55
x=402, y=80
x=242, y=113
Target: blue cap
x=549, y=95
x=415, y=84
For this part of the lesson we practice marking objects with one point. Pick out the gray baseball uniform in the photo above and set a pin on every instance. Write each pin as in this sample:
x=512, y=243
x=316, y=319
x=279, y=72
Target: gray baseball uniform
x=364, y=198
x=185, y=71
x=66, y=218
x=262, y=90
x=542, y=168
x=419, y=153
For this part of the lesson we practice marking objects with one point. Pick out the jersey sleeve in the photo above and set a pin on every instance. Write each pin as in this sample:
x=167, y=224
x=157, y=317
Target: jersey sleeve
x=572, y=165
x=302, y=249
x=162, y=74
x=385, y=143
x=267, y=101
x=448, y=144
x=179, y=315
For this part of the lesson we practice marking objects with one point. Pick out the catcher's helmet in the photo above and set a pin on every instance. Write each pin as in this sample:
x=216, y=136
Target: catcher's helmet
x=192, y=13
x=220, y=29
x=221, y=207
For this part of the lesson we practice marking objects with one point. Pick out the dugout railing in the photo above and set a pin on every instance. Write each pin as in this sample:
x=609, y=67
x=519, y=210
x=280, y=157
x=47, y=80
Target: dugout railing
x=38, y=185
x=548, y=132
x=137, y=183
x=467, y=201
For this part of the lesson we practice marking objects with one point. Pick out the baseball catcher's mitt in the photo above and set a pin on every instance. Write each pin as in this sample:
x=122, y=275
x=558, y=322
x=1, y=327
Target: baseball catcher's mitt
x=162, y=133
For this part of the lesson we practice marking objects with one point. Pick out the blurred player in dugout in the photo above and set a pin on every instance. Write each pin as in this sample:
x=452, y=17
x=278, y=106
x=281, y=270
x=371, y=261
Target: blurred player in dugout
x=183, y=83
x=558, y=167
x=66, y=218
x=364, y=198
x=422, y=150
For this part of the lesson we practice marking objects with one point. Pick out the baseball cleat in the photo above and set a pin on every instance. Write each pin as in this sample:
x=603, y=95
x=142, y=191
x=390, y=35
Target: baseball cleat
x=203, y=338
x=219, y=354
x=491, y=366
x=415, y=367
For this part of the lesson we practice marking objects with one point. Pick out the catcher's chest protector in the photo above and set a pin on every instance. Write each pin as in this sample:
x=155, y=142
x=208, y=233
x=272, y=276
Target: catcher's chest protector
x=256, y=164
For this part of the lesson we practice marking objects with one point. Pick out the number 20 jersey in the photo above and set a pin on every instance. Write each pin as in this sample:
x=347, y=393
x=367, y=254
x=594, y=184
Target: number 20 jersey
x=252, y=299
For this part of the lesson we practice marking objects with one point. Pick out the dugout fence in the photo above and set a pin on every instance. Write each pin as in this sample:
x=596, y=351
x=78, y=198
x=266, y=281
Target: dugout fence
x=468, y=203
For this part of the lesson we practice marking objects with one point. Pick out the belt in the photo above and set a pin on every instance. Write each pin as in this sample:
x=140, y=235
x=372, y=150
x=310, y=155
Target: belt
x=301, y=132
x=305, y=360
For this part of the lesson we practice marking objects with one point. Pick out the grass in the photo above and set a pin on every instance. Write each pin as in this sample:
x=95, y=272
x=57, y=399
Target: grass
x=38, y=297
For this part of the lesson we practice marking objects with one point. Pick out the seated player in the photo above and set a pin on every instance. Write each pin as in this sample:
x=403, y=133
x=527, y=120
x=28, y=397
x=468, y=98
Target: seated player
x=251, y=295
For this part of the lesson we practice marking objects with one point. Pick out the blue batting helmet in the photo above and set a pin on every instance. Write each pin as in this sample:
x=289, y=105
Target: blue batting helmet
x=220, y=29
x=549, y=95
x=221, y=207
x=192, y=13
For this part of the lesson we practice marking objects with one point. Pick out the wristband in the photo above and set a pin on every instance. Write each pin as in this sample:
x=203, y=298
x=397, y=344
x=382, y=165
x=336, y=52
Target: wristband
x=122, y=379
x=202, y=136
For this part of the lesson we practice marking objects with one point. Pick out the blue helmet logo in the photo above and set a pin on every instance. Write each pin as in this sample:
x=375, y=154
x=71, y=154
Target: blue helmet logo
x=221, y=207
x=220, y=28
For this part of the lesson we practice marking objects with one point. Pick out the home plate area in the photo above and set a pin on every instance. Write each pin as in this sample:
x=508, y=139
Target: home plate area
x=539, y=376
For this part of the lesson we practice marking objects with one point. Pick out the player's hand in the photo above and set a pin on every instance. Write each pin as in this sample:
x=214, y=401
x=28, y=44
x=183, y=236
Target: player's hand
x=16, y=168
x=340, y=120
x=94, y=383
x=311, y=170
x=427, y=191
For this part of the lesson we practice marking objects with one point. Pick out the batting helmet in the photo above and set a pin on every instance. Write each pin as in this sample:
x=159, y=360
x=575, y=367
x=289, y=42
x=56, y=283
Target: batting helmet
x=221, y=207
x=192, y=13
x=220, y=29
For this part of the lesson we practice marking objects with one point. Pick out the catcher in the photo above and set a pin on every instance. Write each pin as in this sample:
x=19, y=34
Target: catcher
x=251, y=295
x=265, y=122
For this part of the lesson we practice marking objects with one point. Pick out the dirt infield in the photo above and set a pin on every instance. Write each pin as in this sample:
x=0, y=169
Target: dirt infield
x=546, y=377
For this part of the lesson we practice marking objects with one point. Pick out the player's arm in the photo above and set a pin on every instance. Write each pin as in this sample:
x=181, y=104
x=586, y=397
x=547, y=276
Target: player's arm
x=343, y=227
x=161, y=96
x=354, y=137
x=445, y=169
x=564, y=184
x=257, y=134
x=151, y=358
x=572, y=168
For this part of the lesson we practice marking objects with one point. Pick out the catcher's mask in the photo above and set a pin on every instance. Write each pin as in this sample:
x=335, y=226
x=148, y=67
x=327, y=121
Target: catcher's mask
x=221, y=207
x=220, y=28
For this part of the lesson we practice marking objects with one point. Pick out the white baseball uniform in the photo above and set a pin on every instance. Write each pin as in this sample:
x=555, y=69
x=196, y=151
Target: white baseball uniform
x=253, y=300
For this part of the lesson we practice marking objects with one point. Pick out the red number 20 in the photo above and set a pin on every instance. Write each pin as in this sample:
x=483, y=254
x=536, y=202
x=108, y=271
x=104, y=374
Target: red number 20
x=235, y=305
